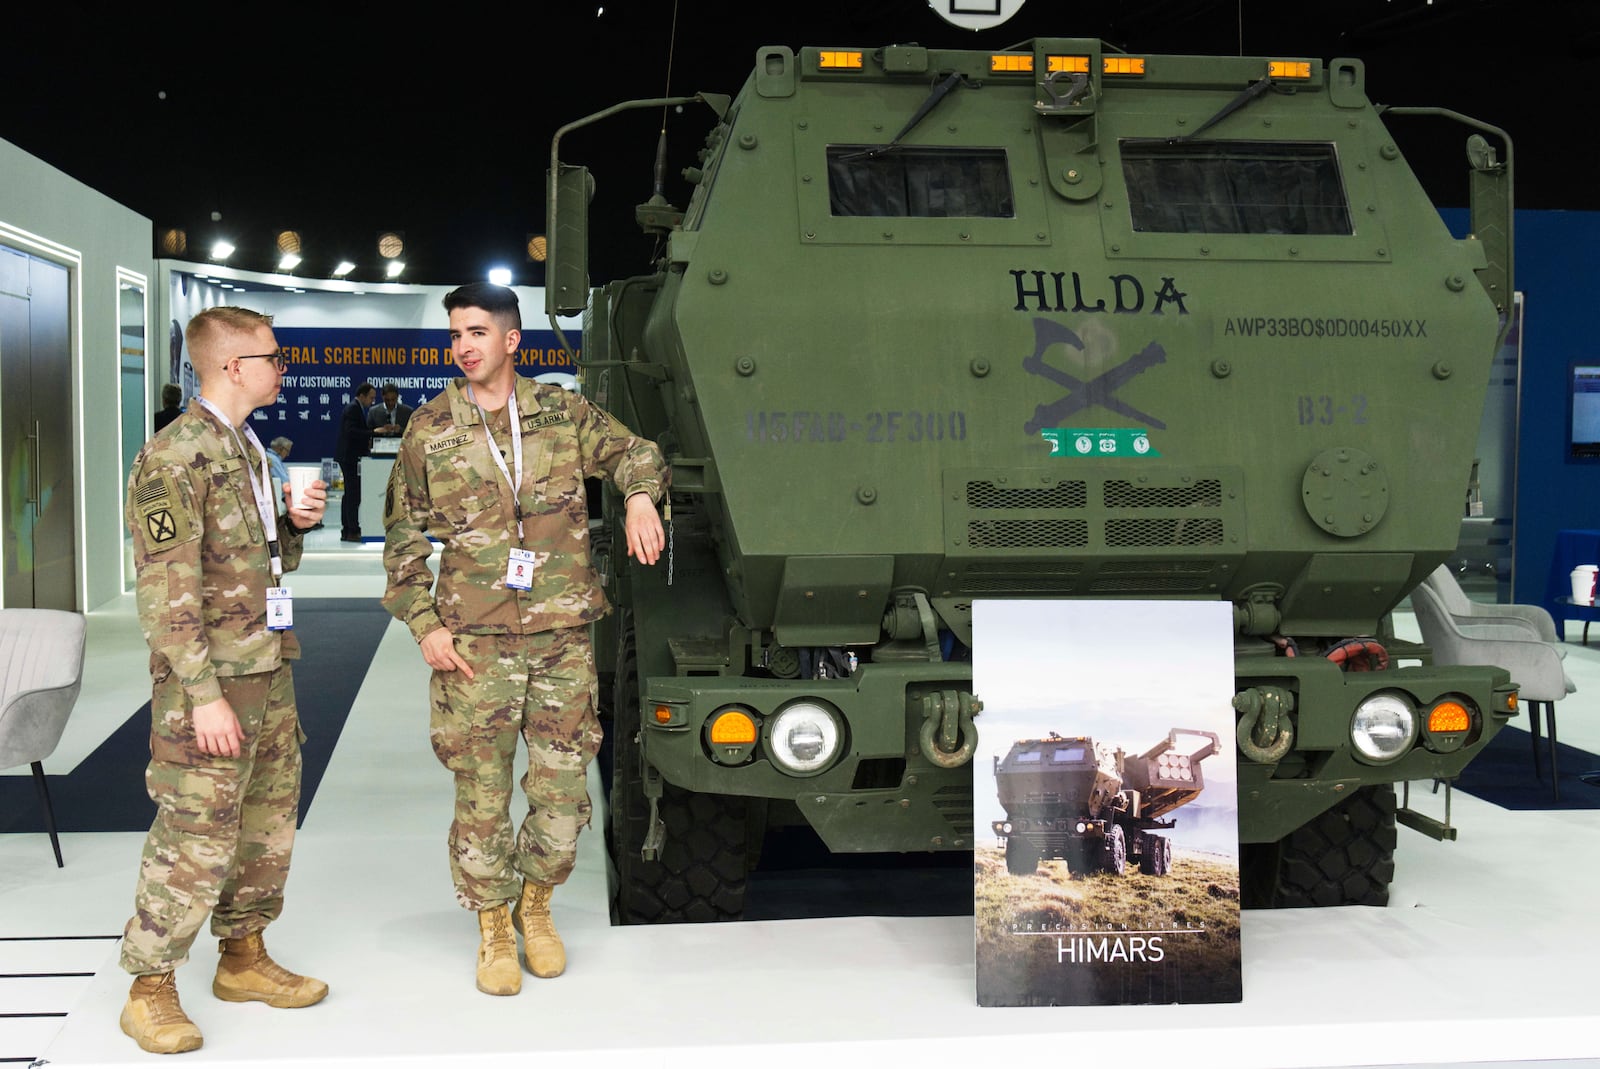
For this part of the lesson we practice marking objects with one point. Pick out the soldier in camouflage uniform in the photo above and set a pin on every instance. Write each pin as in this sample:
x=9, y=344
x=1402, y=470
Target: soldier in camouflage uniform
x=506, y=632
x=208, y=542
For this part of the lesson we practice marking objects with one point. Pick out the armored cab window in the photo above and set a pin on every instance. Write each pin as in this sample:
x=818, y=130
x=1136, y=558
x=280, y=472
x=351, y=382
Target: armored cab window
x=1235, y=187
x=1028, y=757
x=929, y=183
x=1072, y=755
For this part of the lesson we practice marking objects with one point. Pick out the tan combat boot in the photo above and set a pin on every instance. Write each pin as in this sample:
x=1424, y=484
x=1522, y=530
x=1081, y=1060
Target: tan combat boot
x=154, y=1018
x=245, y=973
x=498, y=971
x=546, y=956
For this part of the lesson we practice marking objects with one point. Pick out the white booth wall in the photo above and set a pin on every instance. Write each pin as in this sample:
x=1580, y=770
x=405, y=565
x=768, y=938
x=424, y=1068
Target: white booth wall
x=102, y=244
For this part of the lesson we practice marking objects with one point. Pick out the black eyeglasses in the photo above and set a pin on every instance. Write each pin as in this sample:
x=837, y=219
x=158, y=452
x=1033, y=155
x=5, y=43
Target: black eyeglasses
x=277, y=358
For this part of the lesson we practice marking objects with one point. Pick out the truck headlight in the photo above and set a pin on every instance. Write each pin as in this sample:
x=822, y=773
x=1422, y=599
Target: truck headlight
x=804, y=737
x=1383, y=728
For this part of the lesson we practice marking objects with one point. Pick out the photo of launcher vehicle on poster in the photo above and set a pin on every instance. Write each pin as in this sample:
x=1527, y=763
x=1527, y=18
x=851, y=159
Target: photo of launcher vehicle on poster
x=1105, y=797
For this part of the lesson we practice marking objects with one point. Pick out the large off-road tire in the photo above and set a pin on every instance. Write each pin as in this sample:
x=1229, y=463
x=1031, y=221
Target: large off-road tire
x=1344, y=857
x=1155, y=857
x=1022, y=858
x=702, y=870
x=1114, y=851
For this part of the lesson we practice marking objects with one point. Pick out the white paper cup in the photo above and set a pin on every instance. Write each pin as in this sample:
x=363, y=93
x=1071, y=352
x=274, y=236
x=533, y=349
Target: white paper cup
x=300, y=480
x=1583, y=577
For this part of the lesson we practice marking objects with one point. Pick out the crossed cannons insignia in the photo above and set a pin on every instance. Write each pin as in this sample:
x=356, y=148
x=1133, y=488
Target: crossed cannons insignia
x=1100, y=390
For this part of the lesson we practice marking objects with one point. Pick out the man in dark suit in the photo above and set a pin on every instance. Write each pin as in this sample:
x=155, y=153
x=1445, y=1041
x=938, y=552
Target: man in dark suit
x=388, y=419
x=355, y=442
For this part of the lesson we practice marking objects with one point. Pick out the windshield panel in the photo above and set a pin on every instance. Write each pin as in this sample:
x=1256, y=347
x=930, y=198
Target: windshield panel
x=929, y=183
x=1235, y=187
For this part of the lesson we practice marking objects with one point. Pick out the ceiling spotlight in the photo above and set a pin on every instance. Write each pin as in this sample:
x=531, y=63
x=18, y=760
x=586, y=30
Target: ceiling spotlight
x=391, y=243
x=538, y=248
x=394, y=269
x=500, y=276
x=221, y=250
x=289, y=261
x=344, y=268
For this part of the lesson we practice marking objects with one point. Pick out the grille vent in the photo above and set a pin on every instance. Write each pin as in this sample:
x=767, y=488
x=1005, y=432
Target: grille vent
x=1159, y=584
x=954, y=803
x=1027, y=534
x=1063, y=495
x=1204, y=493
x=1164, y=531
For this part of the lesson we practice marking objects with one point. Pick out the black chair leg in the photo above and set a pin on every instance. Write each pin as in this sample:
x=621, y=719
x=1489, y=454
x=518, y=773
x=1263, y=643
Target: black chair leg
x=49, y=813
x=1555, y=771
x=1533, y=733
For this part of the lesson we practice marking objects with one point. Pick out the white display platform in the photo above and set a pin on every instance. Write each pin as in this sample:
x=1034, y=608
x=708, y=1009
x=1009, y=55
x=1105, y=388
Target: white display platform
x=1486, y=955
x=1475, y=960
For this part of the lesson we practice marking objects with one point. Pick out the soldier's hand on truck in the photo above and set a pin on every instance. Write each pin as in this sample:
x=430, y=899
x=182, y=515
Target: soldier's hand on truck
x=645, y=536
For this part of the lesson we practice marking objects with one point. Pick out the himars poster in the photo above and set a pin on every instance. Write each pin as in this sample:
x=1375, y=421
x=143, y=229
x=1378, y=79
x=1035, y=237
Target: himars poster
x=1105, y=797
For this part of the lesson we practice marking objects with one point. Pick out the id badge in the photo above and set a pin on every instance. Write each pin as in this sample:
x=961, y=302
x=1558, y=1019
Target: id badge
x=519, y=570
x=280, y=608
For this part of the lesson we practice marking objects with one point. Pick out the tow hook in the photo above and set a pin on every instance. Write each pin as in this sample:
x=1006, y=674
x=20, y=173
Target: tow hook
x=948, y=737
x=1265, y=733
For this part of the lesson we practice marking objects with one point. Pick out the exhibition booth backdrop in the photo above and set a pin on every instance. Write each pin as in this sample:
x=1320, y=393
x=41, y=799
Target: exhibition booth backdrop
x=337, y=339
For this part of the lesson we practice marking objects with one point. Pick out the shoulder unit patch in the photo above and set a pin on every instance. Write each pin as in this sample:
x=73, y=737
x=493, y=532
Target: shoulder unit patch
x=162, y=517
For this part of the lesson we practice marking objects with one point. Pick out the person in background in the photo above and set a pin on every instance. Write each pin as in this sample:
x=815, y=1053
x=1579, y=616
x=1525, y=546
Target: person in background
x=277, y=453
x=388, y=418
x=507, y=631
x=355, y=442
x=171, y=398
x=210, y=546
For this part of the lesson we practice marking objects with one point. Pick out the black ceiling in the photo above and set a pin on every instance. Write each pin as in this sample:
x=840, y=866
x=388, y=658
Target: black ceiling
x=343, y=120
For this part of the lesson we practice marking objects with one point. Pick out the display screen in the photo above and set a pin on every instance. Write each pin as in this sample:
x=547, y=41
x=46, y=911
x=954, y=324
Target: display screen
x=1585, y=410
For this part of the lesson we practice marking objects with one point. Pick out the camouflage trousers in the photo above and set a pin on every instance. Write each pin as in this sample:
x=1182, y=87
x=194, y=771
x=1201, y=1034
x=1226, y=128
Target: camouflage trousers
x=224, y=826
x=539, y=686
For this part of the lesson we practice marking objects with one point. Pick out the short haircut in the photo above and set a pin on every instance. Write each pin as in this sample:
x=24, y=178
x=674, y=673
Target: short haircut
x=280, y=443
x=390, y=388
x=171, y=395
x=498, y=301
x=364, y=389
x=204, y=329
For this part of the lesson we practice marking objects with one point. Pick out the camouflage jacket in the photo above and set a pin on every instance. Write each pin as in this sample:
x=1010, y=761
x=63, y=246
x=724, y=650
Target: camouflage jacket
x=201, y=557
x=445, y=483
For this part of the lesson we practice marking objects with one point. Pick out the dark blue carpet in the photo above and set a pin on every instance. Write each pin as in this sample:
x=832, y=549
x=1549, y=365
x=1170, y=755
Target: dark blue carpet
x=338, y=638
x=1503, y=773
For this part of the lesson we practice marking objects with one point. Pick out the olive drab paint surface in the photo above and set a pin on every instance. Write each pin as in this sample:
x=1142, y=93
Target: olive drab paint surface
x=1054, y=323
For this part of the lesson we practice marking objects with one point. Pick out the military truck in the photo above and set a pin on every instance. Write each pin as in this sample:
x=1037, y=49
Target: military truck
x=1050, y=322
x=1091, y=805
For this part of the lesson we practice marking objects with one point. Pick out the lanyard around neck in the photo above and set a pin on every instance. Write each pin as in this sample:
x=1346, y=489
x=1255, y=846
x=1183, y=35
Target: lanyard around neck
x=514, y=483
x=262, y=491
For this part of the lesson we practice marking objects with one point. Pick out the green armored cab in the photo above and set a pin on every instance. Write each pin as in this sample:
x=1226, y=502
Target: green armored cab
x=1056, y=322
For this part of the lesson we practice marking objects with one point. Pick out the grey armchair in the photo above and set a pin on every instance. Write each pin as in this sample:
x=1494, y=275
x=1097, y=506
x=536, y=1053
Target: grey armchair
x=1518, y=638
x=41, y=670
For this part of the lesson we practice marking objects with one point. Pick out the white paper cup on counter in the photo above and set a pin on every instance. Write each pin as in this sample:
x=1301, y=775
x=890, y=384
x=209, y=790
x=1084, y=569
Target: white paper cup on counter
x=300, y=480
x=1583, y=577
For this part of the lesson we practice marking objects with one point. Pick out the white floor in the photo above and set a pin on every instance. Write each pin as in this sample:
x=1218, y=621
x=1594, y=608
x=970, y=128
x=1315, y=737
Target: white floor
x=1486, y=955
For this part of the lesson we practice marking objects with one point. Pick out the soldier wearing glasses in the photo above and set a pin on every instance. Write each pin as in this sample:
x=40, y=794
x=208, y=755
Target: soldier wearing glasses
x=211, y=546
